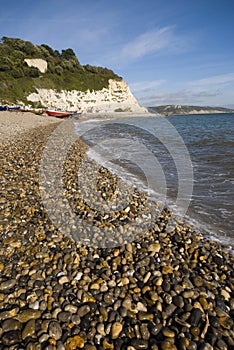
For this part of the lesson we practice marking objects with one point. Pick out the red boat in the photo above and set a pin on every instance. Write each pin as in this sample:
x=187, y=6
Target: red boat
x=60, y=114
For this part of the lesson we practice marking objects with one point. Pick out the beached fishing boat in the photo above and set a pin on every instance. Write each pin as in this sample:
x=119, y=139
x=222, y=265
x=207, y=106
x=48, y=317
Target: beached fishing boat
x=13, y=108
x=60, y=114
x=37, y=111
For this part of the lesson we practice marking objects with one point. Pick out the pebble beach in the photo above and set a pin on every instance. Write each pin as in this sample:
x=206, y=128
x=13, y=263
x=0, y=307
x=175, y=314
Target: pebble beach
x=165, y=290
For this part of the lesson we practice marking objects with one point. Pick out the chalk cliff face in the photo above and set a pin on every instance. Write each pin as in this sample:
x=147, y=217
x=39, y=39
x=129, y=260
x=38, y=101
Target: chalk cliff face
x=117, y=97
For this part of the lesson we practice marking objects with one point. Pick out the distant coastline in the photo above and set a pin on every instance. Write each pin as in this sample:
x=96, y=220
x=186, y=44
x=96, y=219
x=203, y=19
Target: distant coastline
x=167, y=110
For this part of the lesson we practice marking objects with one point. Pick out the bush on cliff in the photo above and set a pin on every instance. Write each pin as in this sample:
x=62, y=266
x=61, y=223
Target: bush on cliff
x=64, y=71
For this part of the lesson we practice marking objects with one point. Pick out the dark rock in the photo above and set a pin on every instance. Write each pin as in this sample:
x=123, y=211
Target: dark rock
x=166, y=285
x=218, y=259
x=155, y=328
x=178, y=301
x=139, y=344
x=221, y=345
x=7, y=285
x=11, y=337
x=214, y=321
x=64, y=316
x=11, y=325
x=198, y=281
x=55, y=330
x=170, y=309
x=83, y=310
x=195, y=317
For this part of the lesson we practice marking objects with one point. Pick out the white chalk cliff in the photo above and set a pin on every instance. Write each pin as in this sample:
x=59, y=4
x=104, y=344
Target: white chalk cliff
x=117, y=97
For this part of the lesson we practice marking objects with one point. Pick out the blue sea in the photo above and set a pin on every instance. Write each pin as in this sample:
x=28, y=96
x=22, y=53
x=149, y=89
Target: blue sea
x=186, y=162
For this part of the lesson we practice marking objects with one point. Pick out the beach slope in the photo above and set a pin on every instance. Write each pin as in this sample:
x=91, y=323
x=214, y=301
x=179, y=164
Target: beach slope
x=170, y=288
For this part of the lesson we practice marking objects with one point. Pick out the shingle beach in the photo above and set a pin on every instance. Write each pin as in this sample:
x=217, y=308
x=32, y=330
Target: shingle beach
x=166, y=290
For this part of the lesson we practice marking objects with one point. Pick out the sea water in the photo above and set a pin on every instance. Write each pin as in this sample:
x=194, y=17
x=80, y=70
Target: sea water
x=186, y=161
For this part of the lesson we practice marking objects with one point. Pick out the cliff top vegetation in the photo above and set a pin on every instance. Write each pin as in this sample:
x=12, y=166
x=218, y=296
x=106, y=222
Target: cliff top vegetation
x=64, y=71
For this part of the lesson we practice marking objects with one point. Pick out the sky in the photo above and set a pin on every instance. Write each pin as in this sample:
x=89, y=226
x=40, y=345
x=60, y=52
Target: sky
x=168, y=51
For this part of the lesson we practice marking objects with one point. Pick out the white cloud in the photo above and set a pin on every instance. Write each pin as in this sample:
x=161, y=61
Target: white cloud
x=145, y=86
x=178, y=97
x=217, y=90
x=155, y=41
x=214, y=80
x=148, y=42
x=144, y=89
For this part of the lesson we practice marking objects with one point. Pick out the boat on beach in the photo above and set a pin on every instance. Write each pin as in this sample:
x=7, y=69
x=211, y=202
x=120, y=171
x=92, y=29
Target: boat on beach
x=60, y=114
x=37, y=111
x=9, y=108
x=13, y=108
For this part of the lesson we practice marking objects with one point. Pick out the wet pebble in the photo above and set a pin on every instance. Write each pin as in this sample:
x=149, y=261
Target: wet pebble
x=64, y=316
x=11, y=325
x=168, y=333
x=83, y=310
x=168, y=345
x=73, y=343
x=116, y=330
x=7, y=285
x=71, y=308
x=139, y=344
x=11, y=337
x=55, y=330
x=63, y=280
x=29, y=329
x=27, y=314
x=195, y=317
x=155, y=328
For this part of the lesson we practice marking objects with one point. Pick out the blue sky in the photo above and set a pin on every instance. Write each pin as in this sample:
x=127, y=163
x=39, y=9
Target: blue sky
x=169, y=51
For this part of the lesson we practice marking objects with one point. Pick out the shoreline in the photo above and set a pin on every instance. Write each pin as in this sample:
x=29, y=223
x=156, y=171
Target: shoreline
x=223, y=237
x=12, y=124
x=164, y=290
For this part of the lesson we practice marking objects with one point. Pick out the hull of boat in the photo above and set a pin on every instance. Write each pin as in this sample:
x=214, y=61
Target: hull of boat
x=58, y=114
x=13, y=108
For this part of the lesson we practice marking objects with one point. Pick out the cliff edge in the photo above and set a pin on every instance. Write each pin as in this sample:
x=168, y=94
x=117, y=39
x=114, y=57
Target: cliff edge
x=38, y=76
x=116, y=98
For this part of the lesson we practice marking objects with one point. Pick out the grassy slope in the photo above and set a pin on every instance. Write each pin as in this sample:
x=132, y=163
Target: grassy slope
x=64, y=72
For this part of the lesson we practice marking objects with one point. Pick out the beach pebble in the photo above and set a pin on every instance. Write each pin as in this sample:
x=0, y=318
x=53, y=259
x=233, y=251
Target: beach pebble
x=11, y=337
x=5, y=286
x=28, y=314
x=155, y=247
x=29, y=329
x=73, y=343
x=139, y=344
x=83, y=310
x=63, y=280
x=71, y=308
x=116, y=330
x=160, y=290
x=11, y=325
x=195, y=317
x=55, y=330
